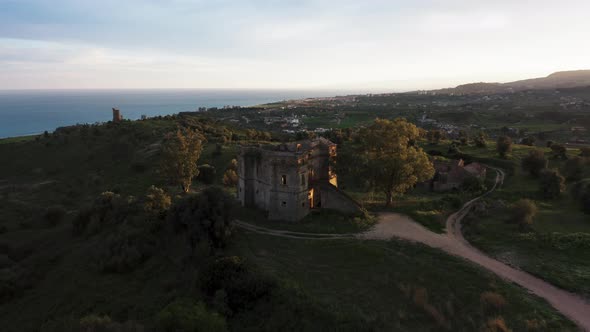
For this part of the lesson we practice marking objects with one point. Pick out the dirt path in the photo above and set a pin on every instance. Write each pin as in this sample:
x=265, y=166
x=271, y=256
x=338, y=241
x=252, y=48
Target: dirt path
x=393, y=225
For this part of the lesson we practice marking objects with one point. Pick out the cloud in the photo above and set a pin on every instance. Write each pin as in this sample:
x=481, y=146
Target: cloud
x=270, y=43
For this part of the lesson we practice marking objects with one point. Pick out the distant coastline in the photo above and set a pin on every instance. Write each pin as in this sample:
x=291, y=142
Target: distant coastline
x=31, y=112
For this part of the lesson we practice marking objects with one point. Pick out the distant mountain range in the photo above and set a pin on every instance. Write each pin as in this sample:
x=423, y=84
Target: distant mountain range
x=562, y=79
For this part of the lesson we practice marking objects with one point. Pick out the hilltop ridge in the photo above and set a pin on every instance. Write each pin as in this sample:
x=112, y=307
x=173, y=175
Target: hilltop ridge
x=557, y=80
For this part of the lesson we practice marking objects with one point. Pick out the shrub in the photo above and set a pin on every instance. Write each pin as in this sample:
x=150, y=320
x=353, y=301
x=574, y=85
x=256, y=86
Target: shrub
x=230, y=178
x=492, y=301
x=97, y=323
x=187, y=316
x=480, y=140
x=496, y=324
x=241, y=285
x=523, y=212
x=108, y=208
x=54, y=214
x=552, y=183
x=504, y=146
x=92, y=323
x=157, y=201
x=585, y=152
x=206, y=216
x=125, y=250
x=534, y=163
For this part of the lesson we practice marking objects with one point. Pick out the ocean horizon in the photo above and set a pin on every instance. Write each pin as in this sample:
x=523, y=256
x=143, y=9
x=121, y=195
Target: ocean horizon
x=31, y=112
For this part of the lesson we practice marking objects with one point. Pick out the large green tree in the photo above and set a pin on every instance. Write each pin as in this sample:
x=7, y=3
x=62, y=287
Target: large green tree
x=504, y=146
x=534, y=162
x=180, y=152
x=392, y=162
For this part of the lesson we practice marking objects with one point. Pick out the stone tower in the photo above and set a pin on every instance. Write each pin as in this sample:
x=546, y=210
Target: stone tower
x=117, y=117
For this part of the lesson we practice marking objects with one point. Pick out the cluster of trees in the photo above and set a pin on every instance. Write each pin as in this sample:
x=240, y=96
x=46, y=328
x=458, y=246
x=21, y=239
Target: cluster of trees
x=552, y=183
x=258, y=135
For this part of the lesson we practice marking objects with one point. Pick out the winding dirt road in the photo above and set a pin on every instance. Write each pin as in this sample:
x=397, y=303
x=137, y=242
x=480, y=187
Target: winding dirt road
x=393, y=225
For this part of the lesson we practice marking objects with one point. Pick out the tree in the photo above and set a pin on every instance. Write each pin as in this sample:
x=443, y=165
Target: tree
x=573, y=168
x=391, y=162
x=180, y=152
x=523, y=212
x=434, y=136
x=529, y=140
x=535, y=162
x=552, y=183
x=504, y=146
x=480, y=140
x=206, y=217
x=463, y=137
x=559, y=151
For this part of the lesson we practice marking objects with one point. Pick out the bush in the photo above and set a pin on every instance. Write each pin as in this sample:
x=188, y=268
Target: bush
x=97, y=323
x=125, y=250
x=492, y=301
x=187, y=316
x=206, y=216
x=523, y=212
x=108, y=208
x=584, y=152
x=157, y=202
x=534, y=163
x=54, y=215
x=480, y=140
x=496, y=324
x=552, y=183
x=230, y=178
x=241, y=286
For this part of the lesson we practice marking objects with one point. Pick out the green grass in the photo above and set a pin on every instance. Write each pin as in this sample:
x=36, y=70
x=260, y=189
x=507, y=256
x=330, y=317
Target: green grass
x=378, y=281
x=18, y=139
x=567, y=268
x=318, y=221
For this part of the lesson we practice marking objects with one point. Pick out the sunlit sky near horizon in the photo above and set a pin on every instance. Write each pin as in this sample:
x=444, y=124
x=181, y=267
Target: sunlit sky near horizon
x=296, y=44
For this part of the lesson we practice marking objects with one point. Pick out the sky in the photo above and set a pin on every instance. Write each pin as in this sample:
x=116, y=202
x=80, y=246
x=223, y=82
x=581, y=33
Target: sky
x=364, y=45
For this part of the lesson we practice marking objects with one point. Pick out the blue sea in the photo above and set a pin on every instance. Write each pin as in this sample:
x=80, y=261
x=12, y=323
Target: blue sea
x=28, y=112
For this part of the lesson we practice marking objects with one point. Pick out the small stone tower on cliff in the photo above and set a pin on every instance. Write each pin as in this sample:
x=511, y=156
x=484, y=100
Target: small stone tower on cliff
x=117, y=117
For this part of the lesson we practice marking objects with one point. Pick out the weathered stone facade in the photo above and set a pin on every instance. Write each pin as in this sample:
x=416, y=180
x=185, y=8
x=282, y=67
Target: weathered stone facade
x=288, y=180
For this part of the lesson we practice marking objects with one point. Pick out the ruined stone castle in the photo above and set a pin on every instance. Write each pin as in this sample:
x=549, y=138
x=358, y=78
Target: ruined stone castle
x=289, y=180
